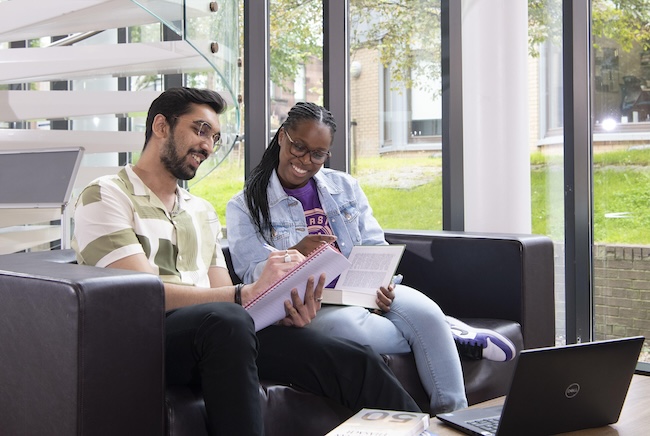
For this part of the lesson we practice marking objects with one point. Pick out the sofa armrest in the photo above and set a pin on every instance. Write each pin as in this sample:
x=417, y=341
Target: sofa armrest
x=81, y=349
x=485, y=275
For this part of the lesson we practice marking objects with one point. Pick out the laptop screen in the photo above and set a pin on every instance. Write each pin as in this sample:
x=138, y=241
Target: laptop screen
x=559, y=389
x=38, y=178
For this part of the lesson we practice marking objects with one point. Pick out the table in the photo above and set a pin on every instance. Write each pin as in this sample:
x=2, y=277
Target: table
x=634, y=419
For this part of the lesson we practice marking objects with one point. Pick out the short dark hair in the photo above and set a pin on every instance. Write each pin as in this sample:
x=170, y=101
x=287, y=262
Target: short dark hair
x=175, y=102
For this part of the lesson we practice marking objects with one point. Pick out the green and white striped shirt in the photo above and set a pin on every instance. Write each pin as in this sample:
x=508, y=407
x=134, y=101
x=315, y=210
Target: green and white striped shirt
x=118, y=216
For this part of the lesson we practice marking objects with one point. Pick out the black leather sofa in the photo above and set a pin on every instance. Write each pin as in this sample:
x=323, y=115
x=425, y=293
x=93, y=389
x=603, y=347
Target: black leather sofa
x=81, y=348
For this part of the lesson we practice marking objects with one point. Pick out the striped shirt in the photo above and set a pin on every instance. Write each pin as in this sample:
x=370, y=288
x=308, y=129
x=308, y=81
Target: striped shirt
x=118, y=216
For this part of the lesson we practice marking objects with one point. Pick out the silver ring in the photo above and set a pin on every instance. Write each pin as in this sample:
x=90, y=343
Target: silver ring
x=319, y=299
x=287, y=257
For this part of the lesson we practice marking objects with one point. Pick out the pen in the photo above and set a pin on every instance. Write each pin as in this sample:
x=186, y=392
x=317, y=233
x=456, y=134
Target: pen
x=270, y=247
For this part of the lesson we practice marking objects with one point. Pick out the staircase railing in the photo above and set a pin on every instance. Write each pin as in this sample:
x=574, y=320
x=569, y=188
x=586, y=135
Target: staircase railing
x=82, y=74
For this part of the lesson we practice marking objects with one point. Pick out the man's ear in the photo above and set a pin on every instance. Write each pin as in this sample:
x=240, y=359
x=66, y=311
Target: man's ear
x=160, y=127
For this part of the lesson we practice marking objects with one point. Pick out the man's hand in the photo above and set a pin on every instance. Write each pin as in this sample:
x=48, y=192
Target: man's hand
x=300, y=313
x=311, y=242
x=277, y=265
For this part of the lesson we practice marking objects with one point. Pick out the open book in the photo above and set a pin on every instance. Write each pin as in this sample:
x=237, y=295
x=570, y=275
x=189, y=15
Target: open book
x=371, y=266
x=268, y=307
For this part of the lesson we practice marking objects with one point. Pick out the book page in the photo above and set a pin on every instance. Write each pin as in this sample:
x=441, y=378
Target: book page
x=371, y=267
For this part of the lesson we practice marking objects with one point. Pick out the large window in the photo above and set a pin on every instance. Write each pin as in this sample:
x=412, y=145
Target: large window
x=412, y=116
x=620, y=96
x=546, y=141
x=396, y=110
x=621, y=178
x=395, y=138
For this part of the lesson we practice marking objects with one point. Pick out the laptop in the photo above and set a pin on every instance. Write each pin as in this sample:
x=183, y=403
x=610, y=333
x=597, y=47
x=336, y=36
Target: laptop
x=559, y=389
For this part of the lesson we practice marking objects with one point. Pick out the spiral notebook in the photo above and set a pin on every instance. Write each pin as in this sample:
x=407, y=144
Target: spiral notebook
x=268, y=307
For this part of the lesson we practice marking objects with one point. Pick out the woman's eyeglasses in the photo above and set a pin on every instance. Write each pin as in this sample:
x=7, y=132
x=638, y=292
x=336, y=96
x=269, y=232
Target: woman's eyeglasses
x=299, y=150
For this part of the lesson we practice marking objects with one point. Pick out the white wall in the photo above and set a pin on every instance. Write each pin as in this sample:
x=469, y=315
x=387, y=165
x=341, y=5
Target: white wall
x=495, y=110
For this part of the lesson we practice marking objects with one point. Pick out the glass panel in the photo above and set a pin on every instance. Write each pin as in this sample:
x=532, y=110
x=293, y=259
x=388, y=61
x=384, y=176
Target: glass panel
x=546, y=138
x=215, y=35
x=296, y=74
x=296, y=52
x=210, y=29
x=621, y=97
x=168, y=12
x=396, y=110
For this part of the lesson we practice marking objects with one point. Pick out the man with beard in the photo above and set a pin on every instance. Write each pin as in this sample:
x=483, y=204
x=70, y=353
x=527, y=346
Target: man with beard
x=140, y=219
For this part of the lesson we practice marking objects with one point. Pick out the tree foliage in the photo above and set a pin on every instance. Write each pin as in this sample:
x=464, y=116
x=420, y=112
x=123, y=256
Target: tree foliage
x=406, y=33
x=295, y=36
x=625, y=21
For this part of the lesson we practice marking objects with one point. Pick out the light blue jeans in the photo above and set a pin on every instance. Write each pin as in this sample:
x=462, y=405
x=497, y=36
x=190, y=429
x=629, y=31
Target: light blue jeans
x=415, y=323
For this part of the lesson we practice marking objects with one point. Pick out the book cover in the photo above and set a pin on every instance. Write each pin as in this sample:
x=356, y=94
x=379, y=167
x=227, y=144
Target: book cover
x=268, y=307
x=377, y=422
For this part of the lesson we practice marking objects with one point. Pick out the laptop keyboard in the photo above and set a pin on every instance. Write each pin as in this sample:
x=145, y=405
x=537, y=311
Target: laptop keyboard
x=489, y=425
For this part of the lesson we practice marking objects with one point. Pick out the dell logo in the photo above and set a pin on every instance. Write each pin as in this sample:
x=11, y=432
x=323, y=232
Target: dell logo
x=572, y=390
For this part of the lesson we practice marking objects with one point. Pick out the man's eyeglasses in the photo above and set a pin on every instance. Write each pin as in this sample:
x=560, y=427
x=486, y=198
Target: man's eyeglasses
x=204, y=130
x=299, y=150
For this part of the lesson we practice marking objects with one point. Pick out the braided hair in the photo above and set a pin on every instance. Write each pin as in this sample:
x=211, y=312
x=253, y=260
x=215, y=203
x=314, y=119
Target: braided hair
x=255, y=189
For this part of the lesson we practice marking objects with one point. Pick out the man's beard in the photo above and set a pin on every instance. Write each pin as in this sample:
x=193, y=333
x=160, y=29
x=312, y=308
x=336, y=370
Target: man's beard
x=174, y=163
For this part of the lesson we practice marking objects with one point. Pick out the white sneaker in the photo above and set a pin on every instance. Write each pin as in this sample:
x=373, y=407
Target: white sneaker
x=477, y=343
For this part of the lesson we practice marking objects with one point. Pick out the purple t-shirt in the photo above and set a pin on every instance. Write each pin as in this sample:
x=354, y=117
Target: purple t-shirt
x=317, y=222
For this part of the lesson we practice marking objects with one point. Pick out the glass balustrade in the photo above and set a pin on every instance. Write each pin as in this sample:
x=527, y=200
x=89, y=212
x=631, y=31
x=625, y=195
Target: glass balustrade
x=84, y=74
x=212, y=30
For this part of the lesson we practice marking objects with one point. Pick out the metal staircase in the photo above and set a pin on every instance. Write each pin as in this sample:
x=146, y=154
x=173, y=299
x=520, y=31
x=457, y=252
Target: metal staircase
x=83, y=74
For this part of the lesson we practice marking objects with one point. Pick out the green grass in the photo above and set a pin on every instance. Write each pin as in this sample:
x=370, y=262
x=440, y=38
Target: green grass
x=220, y=185
x=415, y=209
x=621, y=182
x=621, y=194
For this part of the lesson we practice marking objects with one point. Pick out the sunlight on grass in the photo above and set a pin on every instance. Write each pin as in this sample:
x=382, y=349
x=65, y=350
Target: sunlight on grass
x=621, y=196
x=418, y=208
x=621, y=193
x=220, y=185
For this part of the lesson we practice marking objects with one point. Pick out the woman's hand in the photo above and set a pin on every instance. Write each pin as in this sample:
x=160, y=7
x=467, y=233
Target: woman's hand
x=300, y=313
x=311, y=242
x=385, y=297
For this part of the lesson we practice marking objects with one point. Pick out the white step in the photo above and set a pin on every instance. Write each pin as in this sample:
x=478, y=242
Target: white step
x=39, y=105
x=22, y=65
x=15, y=217
x=14, y=239
x=91, y=141
x=30, y=19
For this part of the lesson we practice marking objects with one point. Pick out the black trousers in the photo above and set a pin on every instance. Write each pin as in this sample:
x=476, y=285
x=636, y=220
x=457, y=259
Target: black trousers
x=215, y=346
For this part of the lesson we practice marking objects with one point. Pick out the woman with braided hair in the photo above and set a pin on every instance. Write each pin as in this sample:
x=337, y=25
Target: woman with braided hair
x=291, y=201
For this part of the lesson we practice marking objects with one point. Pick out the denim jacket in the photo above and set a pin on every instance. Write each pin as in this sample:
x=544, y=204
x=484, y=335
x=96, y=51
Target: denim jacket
x=342, y=199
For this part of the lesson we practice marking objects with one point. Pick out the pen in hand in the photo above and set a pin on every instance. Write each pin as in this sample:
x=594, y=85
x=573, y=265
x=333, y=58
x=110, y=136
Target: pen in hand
x=270, y=247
